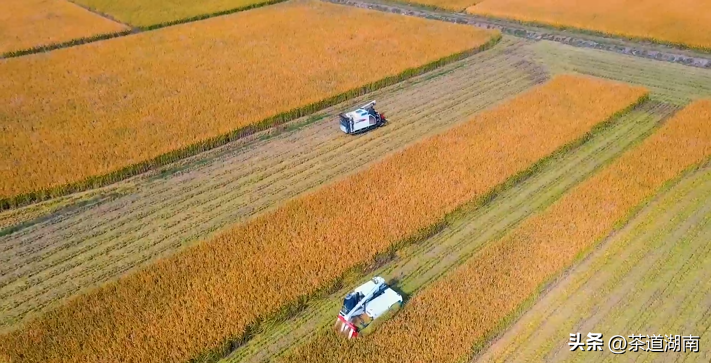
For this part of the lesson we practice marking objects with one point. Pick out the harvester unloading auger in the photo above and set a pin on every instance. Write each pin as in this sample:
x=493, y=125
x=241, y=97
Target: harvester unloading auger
x=365, y=304
x=362, y=119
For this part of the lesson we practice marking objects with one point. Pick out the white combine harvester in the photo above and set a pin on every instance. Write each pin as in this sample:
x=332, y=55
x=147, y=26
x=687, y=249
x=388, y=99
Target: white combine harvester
x=365, y=304
x=362, y=119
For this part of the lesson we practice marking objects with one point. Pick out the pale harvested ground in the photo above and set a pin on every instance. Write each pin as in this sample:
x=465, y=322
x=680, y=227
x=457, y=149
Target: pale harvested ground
x=103, y=235
x=653, y=277
x=157, y=214
x=417, y=266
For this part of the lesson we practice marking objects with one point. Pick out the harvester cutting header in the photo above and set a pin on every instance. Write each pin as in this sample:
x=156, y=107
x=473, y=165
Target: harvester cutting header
x=362, y=119
x=365, y=304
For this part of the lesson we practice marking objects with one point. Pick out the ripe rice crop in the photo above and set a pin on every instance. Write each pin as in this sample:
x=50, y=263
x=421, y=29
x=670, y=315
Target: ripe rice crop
x=683, y=22
x=444, y=322
x=99, y=112
x=147, y=13
x=28, y=24
x=211, y=293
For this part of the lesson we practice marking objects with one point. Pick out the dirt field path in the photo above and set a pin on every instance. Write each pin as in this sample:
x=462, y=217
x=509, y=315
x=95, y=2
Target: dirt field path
x=418, y=265
x=650, y=278
x=87, y=241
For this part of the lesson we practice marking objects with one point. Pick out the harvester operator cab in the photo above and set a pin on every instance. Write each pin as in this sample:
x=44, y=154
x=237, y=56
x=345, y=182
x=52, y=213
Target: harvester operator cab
x=350, y=302
x=362, y=119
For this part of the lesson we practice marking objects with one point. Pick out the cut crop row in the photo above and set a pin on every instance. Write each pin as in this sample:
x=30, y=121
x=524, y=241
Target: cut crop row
x=208, y=296
x=458, y=312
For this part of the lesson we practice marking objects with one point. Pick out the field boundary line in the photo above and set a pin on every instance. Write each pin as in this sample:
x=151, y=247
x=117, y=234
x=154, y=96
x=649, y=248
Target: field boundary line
x=238, y=133
x=357, y=272
x=580, y=38
x=71, y=43
x=99, y=13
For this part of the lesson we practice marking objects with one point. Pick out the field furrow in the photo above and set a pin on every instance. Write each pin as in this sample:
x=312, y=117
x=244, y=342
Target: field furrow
x=416, y=267
x=651, y=278
x=76, y=251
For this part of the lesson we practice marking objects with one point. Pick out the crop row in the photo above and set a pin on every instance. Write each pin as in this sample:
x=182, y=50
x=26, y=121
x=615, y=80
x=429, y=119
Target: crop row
x=212, y=293
x=457, y=313
x=91, y=115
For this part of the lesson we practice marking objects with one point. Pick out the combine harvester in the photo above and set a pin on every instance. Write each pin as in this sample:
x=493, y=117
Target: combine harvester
x=365, y=304
x=361, y=120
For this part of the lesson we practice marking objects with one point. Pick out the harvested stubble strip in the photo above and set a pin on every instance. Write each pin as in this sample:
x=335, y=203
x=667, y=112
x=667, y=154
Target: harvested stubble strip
x=196, y=300
x=446, y=320
x=97, y=113
x=33, y=23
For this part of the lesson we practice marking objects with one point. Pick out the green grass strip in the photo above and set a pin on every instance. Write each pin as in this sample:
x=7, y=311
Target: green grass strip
x=67, y=44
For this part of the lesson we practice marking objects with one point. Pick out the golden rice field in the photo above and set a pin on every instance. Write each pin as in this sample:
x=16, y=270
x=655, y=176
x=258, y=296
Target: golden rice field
x=177, y=189
x=144, y=13
x=26, y=24
x=81, y=112
x=445, y=322
x=683, y=22
x=194, y=301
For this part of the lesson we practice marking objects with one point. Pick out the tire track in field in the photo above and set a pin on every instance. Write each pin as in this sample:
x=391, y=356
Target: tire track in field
x=646, y=279
x=52, y=260
x=418, y=265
